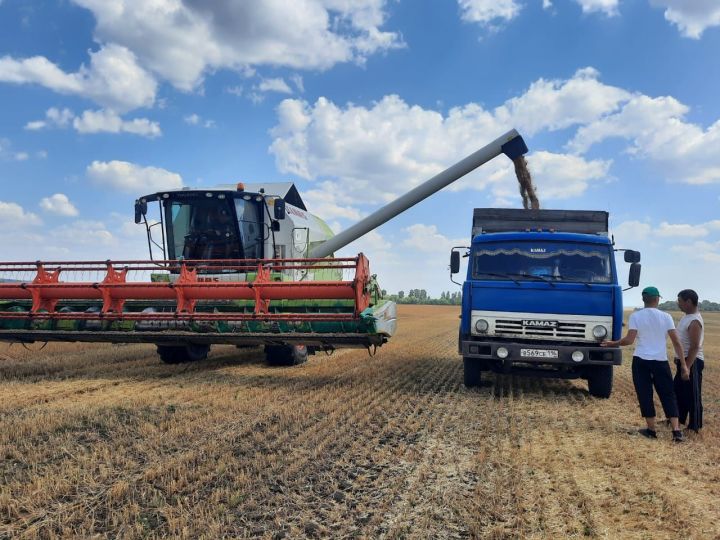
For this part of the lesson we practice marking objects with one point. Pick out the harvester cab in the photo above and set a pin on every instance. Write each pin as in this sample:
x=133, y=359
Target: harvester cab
x=244, y=265
x=248, y=222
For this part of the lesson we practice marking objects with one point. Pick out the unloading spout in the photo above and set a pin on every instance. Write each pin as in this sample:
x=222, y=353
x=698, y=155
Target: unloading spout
x=511, y=144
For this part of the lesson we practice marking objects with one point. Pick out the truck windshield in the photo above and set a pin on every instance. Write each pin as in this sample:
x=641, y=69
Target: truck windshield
x=554, y=261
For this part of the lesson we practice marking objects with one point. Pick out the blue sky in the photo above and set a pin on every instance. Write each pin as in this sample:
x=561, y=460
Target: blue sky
x=357, y=102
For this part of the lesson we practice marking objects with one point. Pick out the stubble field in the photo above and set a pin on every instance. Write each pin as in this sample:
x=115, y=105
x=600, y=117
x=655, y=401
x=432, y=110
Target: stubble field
x=105, y=441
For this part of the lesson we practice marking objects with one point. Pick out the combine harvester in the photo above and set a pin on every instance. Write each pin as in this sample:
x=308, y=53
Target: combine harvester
x=242, y=265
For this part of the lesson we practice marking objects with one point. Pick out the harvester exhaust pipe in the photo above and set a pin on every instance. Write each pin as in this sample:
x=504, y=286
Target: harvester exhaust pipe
x=511, y=144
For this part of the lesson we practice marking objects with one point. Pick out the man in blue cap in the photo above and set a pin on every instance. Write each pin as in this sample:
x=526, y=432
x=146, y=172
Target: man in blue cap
x=650, y=367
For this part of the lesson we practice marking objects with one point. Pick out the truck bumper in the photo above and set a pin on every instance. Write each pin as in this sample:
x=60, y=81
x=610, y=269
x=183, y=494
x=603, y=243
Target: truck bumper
x=518, y=354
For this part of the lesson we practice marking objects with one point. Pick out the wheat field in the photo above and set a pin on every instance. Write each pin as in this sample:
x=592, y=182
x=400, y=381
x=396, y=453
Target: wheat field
x=106, y=441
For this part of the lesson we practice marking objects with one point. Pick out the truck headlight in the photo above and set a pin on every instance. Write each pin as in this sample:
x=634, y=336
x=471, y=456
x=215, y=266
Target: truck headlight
x=481, y=326
x=577, y=356
x=599, y=331
x=502, y=352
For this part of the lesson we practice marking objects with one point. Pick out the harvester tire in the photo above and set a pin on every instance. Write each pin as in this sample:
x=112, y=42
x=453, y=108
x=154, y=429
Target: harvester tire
x=286, y=355
x=472, y=372
x=600, y=381
x=179, y=354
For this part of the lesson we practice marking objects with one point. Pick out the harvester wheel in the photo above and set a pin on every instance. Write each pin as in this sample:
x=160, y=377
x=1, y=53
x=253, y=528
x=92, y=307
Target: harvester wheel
x=286, y=355
x=178, y=354
x=472, y=371
x=600, y=381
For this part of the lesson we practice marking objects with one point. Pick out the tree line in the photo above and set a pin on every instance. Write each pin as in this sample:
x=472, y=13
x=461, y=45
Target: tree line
x=420, y=296
x=705, y=305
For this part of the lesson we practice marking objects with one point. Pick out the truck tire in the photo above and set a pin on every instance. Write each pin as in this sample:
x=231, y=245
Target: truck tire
x=472, y=372
x=286, y=355
x=600, y=381
x=178, y=354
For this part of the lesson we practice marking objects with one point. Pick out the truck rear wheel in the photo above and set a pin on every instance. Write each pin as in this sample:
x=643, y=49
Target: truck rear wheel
x=600, y=380
x=178, y=354
x=286, y=355
x=472, y=371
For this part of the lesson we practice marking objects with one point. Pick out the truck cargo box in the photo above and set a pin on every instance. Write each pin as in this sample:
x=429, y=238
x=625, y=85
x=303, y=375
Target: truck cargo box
x=493, y=220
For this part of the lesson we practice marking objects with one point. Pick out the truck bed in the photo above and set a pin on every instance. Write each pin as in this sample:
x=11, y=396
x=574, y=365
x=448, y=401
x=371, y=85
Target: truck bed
x=493, y=220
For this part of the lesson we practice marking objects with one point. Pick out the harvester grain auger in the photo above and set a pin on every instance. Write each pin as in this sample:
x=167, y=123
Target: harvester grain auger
x=244, y=265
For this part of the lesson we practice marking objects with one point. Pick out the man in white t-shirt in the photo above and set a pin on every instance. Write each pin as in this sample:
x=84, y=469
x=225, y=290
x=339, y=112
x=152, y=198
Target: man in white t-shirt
x=691, y=330
x=651, y=327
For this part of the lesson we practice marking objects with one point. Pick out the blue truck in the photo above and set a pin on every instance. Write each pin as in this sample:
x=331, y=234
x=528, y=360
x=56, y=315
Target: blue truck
x=541, y=293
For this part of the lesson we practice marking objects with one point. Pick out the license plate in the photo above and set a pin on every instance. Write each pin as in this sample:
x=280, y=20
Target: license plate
x=538, y=353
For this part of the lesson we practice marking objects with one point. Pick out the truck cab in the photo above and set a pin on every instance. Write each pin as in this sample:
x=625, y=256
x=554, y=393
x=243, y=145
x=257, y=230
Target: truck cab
x=541, y=294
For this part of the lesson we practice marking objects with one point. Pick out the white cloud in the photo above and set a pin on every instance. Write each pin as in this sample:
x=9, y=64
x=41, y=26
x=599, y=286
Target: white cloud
x=692, y=17
x=297, y=80
x=375, y=153
x=274, y=85
x=54, y=117
x=558, y=104
x=132, y=178
x=114, y=79
x=330, y=204
x=427, y=238
x=681, y=230
x=101, y=121
x=196, y=120
x=547, y=4
x=192, y=119
x=486, y=12
x=181, y=41
x=658, y=131
x=13, y=215
x=556, y=176
x=83, y=233
x=628, y=232
x=609, y=7
x=58, y=204
x=7, y=152
x=108, y=121
x=236, y=90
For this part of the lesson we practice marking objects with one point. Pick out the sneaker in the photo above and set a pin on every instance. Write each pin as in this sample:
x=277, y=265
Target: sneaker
x=649, y=433
x=678, y=436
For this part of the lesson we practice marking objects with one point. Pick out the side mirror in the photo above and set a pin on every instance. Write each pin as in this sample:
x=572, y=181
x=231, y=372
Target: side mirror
x=140, y=210
x=454, y=262
x=634, y=279
x=632, y=256
x=279, y=209
x=276, y=226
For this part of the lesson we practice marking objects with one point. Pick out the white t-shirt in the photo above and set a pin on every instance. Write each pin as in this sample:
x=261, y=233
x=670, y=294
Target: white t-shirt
x=684, y=334
x=652, y=326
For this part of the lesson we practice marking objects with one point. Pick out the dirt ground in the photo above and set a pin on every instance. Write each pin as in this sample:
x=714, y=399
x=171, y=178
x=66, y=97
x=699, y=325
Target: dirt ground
x=105, y=441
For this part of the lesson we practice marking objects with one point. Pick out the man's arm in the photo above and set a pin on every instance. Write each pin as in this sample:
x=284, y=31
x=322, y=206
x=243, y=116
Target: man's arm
x=629, y=339
x=694, y=333
x=684, y=370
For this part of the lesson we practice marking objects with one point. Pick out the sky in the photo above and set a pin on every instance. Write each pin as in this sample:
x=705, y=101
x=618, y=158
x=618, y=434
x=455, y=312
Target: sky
x=358, y=101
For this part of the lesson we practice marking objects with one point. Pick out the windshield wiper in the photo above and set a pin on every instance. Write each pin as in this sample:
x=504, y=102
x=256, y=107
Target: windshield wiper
x=541, y=278
x=495, y=274
x=561, y=278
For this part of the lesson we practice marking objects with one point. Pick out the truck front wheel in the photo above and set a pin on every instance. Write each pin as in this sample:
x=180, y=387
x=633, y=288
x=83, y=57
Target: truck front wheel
x=600, y=380
x=472, y=371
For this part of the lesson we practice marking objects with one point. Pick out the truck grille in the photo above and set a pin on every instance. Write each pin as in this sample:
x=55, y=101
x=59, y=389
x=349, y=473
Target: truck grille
x=511, y=327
